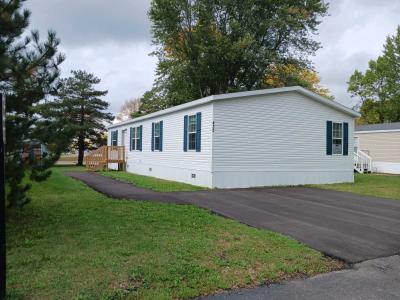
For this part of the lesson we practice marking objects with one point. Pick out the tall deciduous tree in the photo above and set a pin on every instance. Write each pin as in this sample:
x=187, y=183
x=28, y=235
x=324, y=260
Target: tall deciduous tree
x=379, y=87
x=78, y=107
x=129, y=109
x=28, y=72
x=209, y=47
x=290, y=75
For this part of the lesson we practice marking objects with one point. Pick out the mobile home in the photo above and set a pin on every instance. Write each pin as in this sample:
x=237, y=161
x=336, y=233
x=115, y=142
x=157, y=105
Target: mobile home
x=381, y=142
x=281, y=136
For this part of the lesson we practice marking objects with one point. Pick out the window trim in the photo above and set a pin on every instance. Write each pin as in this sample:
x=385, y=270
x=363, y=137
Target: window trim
x=114, y=137
x=192, y=132
x=135, y=139
x=336, y=138
x=155, y=136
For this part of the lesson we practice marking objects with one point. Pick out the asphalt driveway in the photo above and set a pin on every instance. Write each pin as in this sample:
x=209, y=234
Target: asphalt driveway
x=347, y=226
x=373, y=279
x=351, y=227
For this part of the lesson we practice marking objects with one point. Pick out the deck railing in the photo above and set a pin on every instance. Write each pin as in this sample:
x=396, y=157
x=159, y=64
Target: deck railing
x=101, y=157
x=362, y=162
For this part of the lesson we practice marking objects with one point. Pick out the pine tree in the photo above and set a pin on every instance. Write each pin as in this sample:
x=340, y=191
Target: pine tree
x=28, y=73
x=80, y=111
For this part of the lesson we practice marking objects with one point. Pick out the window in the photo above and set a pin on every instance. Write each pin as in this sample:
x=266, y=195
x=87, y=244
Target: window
x=157, y=136
x=114, y=138
x=136, y=140
x=337, y=138
x=192, y=132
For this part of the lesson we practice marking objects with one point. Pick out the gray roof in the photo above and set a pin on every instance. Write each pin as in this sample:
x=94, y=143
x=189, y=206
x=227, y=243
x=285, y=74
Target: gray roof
x=375, y=127
x=298, y=89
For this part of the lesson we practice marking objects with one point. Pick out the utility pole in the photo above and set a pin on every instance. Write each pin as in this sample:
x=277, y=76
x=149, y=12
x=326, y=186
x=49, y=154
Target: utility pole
x=2, y=200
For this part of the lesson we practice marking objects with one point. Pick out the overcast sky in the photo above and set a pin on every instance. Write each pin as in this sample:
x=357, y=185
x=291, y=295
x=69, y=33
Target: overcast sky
x=112, y=40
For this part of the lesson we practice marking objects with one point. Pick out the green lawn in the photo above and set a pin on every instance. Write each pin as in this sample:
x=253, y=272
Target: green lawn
x=151, y=183
x=379, y=185
x=71, y=242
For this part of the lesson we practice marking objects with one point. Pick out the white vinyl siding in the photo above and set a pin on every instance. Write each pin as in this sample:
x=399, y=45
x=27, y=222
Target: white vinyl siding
x=276, y=139
x=173, y=163
x=261, y=140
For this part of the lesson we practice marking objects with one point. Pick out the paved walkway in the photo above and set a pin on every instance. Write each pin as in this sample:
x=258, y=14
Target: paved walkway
x=351, y=227
x=373, y=279
x=122, y=190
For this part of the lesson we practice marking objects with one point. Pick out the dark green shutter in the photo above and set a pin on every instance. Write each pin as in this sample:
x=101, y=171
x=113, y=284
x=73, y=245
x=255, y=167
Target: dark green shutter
x=141, y=137
x=130, y=138
x=152, y=136
x=328, y=137
x=198, y=132
x=345, y=139
x=185, y=137
x=161, y=135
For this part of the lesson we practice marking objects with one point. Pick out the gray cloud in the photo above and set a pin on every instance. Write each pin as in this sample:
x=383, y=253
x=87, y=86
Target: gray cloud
x=126, y=72
x=112, y=40
x=92, y=22
x=353, y=34
x=108, y=38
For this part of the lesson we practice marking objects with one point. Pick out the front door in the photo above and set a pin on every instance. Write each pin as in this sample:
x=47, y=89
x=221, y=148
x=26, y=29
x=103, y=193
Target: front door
x=122, y=166
x=356, y=144
x=123, y=138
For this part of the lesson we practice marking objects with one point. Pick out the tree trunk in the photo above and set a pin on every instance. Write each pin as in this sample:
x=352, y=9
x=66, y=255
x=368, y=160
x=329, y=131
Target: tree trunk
x=81, y=149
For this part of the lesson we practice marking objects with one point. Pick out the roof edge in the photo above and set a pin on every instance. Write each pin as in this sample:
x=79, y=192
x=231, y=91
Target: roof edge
x=328, y=102
x=376, y=131
x=206, y=100
x=169, y=110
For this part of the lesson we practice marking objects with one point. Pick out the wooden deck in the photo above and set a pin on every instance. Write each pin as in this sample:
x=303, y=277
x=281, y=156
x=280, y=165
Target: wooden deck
x=100, y=158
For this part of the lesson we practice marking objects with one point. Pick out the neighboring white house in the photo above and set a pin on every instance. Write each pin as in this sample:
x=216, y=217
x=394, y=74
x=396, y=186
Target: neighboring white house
x=282, y=136
x=382, y=143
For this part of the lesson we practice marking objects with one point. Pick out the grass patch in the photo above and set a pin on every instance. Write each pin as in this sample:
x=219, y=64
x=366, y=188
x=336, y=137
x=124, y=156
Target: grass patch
x=152, y=183
x=71, y=242
x=377, y=185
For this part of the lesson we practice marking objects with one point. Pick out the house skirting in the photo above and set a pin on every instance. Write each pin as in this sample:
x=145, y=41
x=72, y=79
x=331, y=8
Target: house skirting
x=386, y=167
x=186, y=175
x=244, y=179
